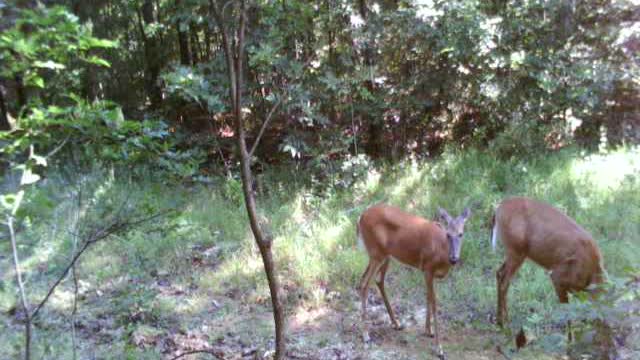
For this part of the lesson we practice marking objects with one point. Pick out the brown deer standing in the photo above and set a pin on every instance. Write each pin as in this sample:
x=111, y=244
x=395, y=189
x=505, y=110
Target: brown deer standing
x=386, y=232
x=534, y=230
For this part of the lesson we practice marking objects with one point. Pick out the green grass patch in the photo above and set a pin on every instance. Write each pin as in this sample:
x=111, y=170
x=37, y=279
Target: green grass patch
x=315, y=243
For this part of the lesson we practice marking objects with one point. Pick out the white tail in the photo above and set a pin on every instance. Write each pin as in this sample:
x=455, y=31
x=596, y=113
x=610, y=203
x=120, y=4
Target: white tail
x=494, y=236
x=359, y=235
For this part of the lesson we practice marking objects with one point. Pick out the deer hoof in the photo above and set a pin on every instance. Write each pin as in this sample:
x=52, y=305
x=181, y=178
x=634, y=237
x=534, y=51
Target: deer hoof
x=441, y=355
x=366, y=339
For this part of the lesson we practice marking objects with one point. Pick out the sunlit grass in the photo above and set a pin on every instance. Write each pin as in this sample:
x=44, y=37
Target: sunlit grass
x=606, y=172
x=315, y=240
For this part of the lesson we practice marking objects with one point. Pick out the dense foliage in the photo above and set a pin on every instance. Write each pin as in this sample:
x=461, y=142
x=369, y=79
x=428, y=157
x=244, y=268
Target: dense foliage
x=387, y=78
x=114, y=111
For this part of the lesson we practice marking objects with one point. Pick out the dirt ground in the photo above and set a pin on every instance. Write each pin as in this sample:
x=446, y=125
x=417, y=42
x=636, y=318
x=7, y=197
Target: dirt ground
x=330, y=332
x=182, y=317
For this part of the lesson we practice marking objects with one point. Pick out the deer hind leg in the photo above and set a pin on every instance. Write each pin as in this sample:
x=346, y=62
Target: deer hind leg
x=387, y=304
x=372, y=268
x=503, y=280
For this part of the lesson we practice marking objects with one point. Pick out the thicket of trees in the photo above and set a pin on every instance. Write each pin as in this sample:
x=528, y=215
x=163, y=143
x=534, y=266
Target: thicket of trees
x=385, y=78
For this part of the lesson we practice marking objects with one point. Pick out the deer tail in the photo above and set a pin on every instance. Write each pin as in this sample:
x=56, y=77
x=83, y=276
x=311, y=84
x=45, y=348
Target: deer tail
x=359, y=234
x=494, y=232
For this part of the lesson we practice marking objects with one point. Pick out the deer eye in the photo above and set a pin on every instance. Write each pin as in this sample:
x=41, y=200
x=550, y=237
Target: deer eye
x=460, y=235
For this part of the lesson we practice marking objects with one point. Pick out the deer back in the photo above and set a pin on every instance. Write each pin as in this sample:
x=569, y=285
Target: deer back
x=388, y=231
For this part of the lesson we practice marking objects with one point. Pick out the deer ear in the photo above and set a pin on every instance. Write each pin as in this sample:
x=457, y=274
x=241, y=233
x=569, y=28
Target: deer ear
x=444, y=215
x=465, y=213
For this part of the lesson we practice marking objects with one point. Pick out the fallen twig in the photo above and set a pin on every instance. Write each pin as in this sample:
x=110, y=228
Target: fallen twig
x=205, y=351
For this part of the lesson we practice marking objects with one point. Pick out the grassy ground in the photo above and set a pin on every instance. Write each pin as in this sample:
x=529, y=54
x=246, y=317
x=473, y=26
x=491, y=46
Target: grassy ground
x=195, y=280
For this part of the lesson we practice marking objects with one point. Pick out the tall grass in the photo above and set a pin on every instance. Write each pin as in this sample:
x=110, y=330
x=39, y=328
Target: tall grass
x=314, y=232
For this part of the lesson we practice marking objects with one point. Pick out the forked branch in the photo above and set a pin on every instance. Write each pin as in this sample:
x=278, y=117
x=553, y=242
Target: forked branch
x=264, y=126
x=112, y=229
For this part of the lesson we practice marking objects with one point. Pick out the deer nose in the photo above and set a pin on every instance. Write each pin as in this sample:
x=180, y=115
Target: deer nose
x=453, y=260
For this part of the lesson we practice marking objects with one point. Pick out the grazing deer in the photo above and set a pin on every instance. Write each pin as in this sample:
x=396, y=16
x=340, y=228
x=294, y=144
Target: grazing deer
x=534, y=230
x=386, y=232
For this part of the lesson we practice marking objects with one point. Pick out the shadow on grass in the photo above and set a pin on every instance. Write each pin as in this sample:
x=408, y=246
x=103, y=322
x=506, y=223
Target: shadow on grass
x=203, y=276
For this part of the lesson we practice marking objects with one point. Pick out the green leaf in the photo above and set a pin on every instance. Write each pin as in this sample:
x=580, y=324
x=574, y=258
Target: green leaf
x=35, y=80
x=114, y=118
x=40, y=160
x=24, y=46
x=98, y=61
x=92, y=42
x=7, y=201
x=29, y=177
x=48, y=65
x=55, y=110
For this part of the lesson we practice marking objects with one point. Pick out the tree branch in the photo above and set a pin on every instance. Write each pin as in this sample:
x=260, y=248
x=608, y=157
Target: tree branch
x=74, y=276
x=59, y=147
x=23, y=296
x=264, y=126
x=240, y=57
x=101, y=234
x=210, y=352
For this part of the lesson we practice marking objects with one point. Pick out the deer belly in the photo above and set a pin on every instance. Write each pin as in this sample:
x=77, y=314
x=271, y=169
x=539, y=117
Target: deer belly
x=406, y=255
x=440, y=273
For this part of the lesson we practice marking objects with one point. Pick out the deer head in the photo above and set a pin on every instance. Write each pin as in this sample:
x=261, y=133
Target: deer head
x=455, y=229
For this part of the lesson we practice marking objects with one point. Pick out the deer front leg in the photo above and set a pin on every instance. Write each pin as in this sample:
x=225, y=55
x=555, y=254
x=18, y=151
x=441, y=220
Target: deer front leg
x=427, y=325
x=431, y=301
x=558, y=275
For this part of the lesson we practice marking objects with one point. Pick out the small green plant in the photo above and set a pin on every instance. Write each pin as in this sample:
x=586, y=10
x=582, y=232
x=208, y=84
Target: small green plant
x=603, y=321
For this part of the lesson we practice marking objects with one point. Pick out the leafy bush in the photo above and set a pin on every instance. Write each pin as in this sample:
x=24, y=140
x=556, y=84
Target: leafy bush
x=606, y=325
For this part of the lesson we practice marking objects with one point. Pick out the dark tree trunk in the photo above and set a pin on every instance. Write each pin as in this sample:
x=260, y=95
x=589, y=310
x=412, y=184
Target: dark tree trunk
x=152, y=55
x=588, y=133
x=4, y=112
x=195, y=45
x=374, y=145
x=89, y=79
x=235, y=56
x=183, y=38
x=21, y=94
x=207, y=44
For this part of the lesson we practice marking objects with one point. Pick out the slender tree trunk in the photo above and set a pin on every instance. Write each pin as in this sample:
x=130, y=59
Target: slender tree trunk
x=235, y=56
x=195, y=44
x=183, y=38
x=23, y=296
x=4, y=112
x=207, y=44
x=20, y=91
x=152, y=55
x=375, y=125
